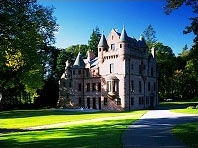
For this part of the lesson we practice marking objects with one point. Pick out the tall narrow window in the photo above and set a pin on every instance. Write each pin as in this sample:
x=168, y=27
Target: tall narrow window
x=105, y=101
x=70, y=84
x=114, y=86
x=109, y=86
x=111, y=68
x=140, y=86
x=79, y=86
x=149, y=86
x=93, y=86
x=131, y=66
x=132, y=86
x=118, y=101
x=132, y=100
x=73, y=72
x=120, y=45
x=88, y=86
x=112, y=37
x=152, y=71
x=140, y=100
x=112, y=46
x=99, y=86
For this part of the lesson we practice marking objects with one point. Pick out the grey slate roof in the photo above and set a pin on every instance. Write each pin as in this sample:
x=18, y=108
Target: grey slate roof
x=79, y=63
x=123, y=37
x=142, y=42
x=103, y=42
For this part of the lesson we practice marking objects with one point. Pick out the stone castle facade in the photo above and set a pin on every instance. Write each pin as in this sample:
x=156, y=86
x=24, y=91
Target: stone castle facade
x=122, y=77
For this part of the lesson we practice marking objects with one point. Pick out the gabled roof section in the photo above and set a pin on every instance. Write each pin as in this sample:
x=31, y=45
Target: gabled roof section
x=142, y=42
x=79, y=63
x=123, y=37
x=103, y=42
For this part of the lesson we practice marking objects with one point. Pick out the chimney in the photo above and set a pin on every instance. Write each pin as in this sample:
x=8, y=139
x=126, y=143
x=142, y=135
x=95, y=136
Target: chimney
x=153, y=52
x=90, y=55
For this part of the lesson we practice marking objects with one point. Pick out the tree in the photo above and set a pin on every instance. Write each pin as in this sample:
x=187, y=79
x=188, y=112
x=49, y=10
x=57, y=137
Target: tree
x=25, y=28
x=165, y=59
x=94, y=40
x=149, y=36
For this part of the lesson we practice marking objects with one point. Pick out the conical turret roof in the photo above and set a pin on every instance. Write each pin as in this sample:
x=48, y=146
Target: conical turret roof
x=123, y=37
x=79, y=63
x=103, y=41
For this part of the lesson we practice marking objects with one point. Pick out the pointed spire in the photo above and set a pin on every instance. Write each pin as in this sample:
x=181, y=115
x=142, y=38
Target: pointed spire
x=103, y=41
x=79, y=63
x=123, y=37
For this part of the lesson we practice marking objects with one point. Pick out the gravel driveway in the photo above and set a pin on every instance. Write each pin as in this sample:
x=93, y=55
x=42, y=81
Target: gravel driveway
x=153, y=130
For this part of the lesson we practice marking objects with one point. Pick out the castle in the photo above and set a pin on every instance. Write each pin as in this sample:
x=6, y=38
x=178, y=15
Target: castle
x=122, y=77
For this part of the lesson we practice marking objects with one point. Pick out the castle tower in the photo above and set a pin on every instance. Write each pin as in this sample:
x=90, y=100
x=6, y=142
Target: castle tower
x=102, y=46
x=123, y=44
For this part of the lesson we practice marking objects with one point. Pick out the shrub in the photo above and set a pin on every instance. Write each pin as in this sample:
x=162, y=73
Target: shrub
x=196, y=107
x=191, y=107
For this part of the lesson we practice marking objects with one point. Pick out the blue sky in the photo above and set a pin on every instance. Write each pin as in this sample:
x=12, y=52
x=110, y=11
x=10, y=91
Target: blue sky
x=78, y=18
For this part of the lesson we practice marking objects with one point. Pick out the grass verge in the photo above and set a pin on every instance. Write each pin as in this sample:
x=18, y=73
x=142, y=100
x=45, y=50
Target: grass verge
x=185, y=111
x=88, y=135
x=188, y=133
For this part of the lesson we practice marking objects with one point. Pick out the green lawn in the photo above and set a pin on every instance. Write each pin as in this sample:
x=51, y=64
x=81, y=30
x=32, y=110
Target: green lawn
x=103, y=134
x=185, y=111
x=27, y=118
x=188, y=133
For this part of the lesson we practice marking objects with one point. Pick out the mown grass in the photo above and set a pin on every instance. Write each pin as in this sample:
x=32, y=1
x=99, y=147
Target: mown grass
x=105, y=134
x=27, y=118
x=185, y=111
x=188, y=133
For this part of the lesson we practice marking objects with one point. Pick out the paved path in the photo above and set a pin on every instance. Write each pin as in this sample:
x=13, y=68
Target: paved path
x=153, y=130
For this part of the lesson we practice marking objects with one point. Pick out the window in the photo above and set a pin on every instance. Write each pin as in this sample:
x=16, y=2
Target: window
x=111, y=68
x=132, y=100
x=99, y=86
x=118, y=101
x=154, y=85
x=79, y=100
x=70, y=84
x=99, y=49
x=93, y=86
x=132, y=86
x=73, y=72
x=109, y=86
x=112, y=46
x=149, y=86
x=114, y=86
x=79, y=86
x=79, y=72
x=131, y=66
x=88, y=86
x=147, y=100
x=105, y=101
x=152, y=71
x=120, y=45
x=112, y=37
x=140, y=86
x=141, y=100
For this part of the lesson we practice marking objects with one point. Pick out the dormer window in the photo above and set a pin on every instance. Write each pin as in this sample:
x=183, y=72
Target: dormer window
x=120, y=45
x=112, y=37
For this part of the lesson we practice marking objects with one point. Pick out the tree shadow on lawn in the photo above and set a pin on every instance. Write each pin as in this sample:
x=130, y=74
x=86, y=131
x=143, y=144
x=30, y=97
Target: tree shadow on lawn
x=104, y=134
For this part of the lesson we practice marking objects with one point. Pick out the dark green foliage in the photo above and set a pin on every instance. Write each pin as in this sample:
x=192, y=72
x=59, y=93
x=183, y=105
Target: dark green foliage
x=25, y=28
x=94, y=40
